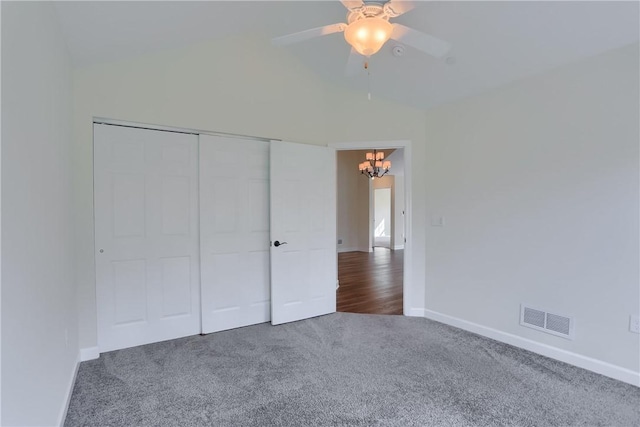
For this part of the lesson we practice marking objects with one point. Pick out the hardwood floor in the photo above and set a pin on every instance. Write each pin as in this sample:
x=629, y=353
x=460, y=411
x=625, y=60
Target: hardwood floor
x=370, y=282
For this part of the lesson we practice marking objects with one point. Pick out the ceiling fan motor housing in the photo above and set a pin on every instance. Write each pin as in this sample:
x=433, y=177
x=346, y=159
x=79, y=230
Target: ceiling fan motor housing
x=370, y=10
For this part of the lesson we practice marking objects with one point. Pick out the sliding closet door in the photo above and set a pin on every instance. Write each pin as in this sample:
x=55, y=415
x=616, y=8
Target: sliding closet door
x=234, y=227
x=146, y=230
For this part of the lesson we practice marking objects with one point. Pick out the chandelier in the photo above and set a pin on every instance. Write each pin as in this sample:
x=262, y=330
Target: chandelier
x=375, y=165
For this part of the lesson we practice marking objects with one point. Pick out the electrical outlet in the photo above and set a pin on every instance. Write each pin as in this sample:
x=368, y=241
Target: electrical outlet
x=634, y=323
x=339, y=241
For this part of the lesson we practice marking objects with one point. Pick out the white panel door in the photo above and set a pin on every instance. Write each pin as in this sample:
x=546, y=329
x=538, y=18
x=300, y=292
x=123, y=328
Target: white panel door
x=234, y=232
x=303, y=214
x=146, y=230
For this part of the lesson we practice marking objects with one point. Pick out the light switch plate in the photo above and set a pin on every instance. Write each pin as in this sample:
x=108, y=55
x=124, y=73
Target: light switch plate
x=634, y=323
x=437, y=221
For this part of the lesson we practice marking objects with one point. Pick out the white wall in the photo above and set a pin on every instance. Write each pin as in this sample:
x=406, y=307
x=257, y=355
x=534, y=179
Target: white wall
x=0, y=229
x=352, y=202
x=39, y=316
x=264, y=91
x=538, y=185
x=397, y=162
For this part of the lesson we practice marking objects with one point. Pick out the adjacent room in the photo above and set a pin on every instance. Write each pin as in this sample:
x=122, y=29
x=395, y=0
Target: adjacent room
x=370, y=231
x=191, y=235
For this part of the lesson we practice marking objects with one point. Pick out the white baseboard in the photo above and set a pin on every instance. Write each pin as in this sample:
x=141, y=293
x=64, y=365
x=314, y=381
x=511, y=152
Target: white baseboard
x=72, y=383
x=84, y=354
x=340, y=250
x=588, y=363
x=415, y=312
x=89, y=353
x=398, y=247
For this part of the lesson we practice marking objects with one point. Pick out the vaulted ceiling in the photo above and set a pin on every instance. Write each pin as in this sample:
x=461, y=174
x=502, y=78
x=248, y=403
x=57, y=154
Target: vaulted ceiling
x=494, y=43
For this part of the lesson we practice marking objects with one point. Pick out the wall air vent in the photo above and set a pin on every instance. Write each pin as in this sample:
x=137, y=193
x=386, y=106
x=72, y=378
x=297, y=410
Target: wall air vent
x=531, y=317
x=544, y=321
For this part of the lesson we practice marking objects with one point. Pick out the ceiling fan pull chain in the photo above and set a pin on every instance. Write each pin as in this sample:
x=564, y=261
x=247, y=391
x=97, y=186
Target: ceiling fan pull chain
x=366, y=67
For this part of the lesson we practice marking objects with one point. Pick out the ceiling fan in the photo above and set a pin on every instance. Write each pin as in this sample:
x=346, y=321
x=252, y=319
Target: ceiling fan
x=368, y=29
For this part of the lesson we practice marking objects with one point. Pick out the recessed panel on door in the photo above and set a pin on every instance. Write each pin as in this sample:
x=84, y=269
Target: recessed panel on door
x=146, y=235
x=176, y=289
x=176, y=207
x=130, y=291
x=222, y=199
x=127, y=194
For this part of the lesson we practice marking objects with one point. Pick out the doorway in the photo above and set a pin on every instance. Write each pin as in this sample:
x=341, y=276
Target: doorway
x=371, y=254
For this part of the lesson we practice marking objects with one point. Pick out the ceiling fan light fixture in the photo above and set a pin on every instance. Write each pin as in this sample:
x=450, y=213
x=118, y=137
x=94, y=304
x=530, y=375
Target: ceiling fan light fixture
x=367, y=35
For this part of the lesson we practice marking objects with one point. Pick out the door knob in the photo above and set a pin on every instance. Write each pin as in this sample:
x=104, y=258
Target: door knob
x=277, y=243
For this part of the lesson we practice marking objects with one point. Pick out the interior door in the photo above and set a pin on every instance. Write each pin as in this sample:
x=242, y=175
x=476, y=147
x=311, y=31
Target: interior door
x=146, y=231
x=303, y=231
x=234, y=232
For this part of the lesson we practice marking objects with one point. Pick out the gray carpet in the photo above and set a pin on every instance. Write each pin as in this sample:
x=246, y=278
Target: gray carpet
x=343, y=369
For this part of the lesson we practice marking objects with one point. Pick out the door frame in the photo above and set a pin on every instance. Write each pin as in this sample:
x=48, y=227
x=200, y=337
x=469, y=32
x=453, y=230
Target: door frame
x=405, y=144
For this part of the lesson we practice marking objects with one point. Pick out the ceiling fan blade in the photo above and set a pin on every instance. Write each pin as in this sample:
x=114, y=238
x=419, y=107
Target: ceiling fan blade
x=308, y=34
x=421, y=41
x=398, y=7
x=352, y=4
x=355, y=63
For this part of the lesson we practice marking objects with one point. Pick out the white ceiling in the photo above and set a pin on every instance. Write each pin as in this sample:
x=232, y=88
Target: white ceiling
x=494, y=43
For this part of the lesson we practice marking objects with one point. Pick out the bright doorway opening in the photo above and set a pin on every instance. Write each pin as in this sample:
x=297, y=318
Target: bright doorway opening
x=382, y=229
x=371, y=236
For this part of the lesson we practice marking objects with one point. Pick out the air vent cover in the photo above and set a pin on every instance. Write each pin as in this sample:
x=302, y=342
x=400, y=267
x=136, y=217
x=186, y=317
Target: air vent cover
x=533, y=317
x=544, y=321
